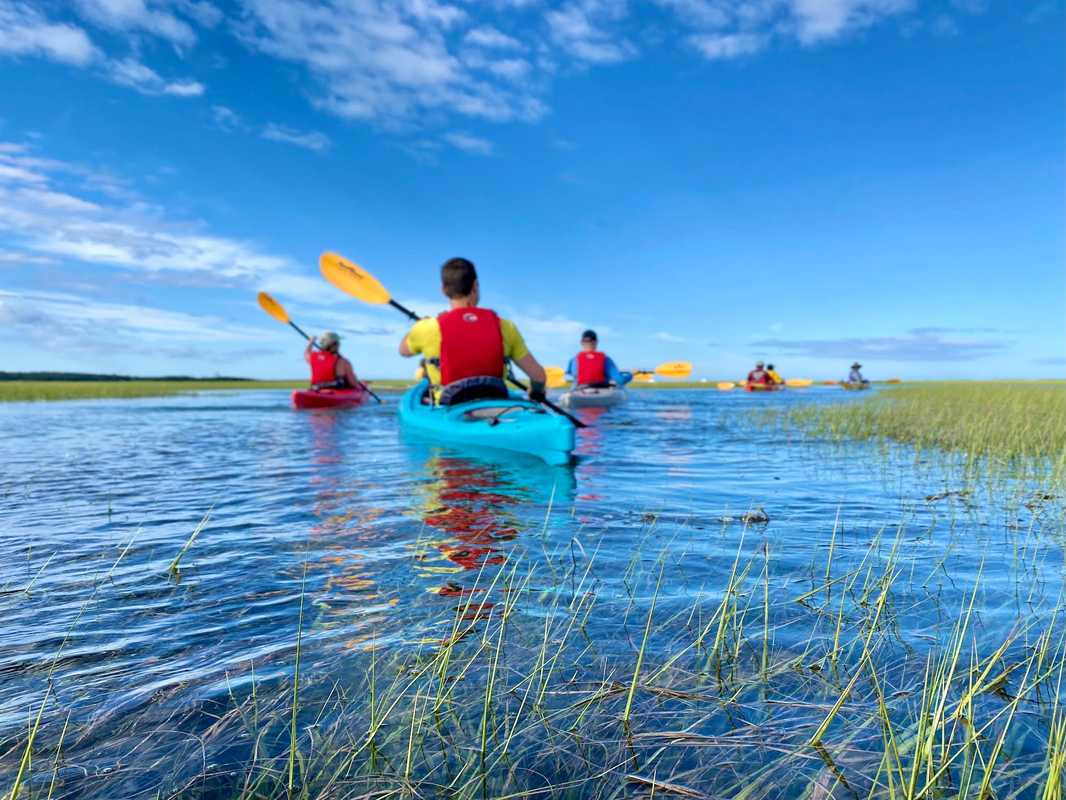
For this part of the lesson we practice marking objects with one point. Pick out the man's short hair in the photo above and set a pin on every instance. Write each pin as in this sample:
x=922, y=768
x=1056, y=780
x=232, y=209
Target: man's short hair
x=457, y=276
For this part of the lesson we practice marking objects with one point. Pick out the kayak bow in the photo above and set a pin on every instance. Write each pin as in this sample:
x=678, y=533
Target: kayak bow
x=590, y=397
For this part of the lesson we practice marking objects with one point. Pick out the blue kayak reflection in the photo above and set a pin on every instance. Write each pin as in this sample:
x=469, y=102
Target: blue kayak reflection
x=475, y=509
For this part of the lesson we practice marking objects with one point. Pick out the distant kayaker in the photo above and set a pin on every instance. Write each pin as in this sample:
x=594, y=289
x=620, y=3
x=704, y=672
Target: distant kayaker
x=466, y=349
x=759, y=376
x=329, y=369
x=777, y=379
x=591, y=367
x=855, y=376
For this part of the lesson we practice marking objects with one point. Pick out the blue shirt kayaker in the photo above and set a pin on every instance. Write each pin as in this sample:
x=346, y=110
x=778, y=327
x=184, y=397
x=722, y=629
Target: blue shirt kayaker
x=590, y=367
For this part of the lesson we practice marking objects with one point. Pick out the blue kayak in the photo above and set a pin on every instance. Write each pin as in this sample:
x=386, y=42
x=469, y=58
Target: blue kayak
x=517, y=425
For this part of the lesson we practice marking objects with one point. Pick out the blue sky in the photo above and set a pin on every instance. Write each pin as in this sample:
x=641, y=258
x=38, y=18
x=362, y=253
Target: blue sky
x=804, y=181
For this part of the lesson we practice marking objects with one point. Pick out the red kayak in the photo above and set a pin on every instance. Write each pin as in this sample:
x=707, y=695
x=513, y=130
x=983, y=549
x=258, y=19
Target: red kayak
x=328, y=398
x=763, y=387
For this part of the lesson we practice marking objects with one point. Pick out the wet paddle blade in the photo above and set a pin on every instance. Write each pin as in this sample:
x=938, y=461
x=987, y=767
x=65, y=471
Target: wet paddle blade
x=798, y=382
x=725, y=386
x=674, y=369
x=352, y=279
x=273, y=308
x=556, y=377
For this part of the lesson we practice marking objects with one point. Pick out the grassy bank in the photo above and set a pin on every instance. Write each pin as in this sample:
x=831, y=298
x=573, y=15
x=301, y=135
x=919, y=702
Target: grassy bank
x=1002, y=423
x=34, y=391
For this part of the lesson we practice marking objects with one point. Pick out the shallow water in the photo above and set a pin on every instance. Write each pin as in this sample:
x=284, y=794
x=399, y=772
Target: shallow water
x=386, y=539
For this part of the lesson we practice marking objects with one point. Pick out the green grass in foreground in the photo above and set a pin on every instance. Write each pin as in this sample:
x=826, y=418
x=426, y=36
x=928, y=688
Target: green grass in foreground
x=1008, y=422
x=31, y=391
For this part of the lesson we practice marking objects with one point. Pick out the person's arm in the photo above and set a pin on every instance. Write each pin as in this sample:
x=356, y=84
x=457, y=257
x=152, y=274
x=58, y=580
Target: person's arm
x=571, y=370
x=346, y=371
x=614, y=375
x=411, y=344
x=514, y=348
x=529, y=365
x=309, y=349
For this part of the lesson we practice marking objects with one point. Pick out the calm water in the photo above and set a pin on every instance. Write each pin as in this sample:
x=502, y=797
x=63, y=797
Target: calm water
x=387, y=537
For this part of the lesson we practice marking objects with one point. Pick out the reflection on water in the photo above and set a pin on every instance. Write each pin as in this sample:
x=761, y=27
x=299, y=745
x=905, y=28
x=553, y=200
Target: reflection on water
x=381, y=544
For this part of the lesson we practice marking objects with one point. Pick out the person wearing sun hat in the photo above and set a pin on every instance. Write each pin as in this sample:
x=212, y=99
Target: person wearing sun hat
x=855, y=376
x=329, y=369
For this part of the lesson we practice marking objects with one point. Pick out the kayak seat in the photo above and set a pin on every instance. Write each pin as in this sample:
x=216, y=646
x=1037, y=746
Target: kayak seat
x=481, y=387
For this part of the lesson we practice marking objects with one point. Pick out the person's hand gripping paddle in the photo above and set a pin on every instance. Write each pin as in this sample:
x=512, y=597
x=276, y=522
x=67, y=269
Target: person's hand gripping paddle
x=353, y=280
x=278, y=312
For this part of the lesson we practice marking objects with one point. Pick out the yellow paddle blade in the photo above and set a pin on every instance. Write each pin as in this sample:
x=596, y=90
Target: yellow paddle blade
x=674, y=369
x=273, y=308
x=725, y=386
x=643, y=377
x=420, y=373
x=352, y=279
x=798, y=382
x=556, y=377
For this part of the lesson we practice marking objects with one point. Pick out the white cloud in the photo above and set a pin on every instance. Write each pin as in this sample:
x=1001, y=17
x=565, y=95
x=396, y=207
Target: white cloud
x=64, y=320
x=722, y=29
x=727, y=45
x=24, y=31
x=491, y=38
x=226, y=118
x=131, y=16
x=309, y=140
x=387, y=62
x=45, y=218
x=135, y=75
x=470, y=144
x=583, y=29
x=664, y=336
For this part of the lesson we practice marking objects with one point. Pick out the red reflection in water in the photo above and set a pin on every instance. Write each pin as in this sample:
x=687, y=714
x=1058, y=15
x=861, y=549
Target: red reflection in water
x=469, y=508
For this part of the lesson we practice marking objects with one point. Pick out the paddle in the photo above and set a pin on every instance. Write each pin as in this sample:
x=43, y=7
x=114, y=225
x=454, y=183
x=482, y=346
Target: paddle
x=352, y=279
x=670, y=369
x=556, y=377
x=278, y=312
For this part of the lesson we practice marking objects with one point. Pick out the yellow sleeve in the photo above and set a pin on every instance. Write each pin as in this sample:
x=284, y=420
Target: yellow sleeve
x=424, y=338
x=514, y=346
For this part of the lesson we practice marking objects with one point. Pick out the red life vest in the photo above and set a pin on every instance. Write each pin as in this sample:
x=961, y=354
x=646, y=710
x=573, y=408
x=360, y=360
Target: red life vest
x=760, y=376
x=471, y=344
x=591, y=368
x=324, y=366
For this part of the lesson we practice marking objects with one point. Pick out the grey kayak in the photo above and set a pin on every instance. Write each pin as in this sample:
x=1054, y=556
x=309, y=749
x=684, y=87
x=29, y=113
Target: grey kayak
x=588, y=396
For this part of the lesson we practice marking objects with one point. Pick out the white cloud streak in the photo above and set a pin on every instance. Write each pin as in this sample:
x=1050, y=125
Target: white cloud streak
x=308, y=140
x=45, y=212
x=469, y=144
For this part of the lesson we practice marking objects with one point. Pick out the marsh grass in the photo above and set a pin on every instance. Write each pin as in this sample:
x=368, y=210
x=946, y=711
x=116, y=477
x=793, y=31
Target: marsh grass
x=997, y=428
x=519, y=696
x=39, y=391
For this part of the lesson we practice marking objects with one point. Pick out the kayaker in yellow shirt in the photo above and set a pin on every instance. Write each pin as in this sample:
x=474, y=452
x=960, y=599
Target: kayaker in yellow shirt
x=777, y=379
x=466, y=349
